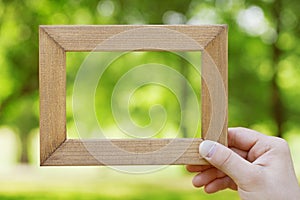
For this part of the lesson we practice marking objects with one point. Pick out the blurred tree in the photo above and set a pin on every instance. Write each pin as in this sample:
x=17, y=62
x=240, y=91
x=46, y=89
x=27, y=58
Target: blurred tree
x=286, y=21
x=19, y=61
x=266, y=97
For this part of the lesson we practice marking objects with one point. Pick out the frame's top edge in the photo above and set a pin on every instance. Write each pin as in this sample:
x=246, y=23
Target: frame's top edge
x=133, y=37
x=129, y=25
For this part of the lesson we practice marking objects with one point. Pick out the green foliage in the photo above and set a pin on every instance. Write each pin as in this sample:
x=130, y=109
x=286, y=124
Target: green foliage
x=264, y=53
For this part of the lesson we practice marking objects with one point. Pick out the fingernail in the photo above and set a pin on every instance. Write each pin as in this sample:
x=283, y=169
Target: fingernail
x=207, y=148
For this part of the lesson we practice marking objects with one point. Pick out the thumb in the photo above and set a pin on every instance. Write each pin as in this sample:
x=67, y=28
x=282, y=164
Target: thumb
x=225, y=160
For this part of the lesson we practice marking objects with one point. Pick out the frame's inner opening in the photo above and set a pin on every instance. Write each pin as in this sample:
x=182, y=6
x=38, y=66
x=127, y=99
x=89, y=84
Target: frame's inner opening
x=136, y=95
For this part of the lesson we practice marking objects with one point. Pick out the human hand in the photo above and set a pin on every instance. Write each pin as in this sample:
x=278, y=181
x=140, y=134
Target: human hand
x=256, y=165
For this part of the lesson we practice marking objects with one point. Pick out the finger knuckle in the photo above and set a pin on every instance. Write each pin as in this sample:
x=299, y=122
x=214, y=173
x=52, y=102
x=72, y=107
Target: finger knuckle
x=281, y=144
x=226, y=161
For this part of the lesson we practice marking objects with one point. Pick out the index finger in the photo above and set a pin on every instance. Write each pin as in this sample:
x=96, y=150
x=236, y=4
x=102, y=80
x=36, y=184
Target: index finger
x=243, y=138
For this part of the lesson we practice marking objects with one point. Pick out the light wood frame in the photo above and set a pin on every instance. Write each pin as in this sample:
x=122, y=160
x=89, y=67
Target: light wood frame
x=55, y=41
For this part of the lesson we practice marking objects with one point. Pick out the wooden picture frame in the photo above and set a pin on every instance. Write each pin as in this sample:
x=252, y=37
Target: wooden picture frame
x=55, y=41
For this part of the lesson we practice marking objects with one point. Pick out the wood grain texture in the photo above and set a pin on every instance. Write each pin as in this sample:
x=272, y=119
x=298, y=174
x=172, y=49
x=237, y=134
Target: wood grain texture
x=127, y=152
x=52, y=89
x=133, y=37
x=214, y=55
x=55, y=41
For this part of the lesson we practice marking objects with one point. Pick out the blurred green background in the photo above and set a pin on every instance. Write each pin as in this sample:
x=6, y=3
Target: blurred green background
x=264, y=89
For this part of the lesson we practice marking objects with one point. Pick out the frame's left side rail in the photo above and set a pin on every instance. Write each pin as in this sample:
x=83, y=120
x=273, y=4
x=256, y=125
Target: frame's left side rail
x=52, y=91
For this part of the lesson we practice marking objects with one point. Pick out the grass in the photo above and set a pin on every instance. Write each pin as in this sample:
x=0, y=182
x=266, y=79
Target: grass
x=78, y=196
x=144, y=191
x=101, y=183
